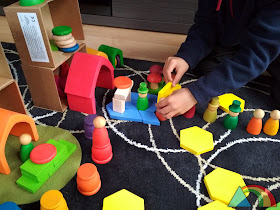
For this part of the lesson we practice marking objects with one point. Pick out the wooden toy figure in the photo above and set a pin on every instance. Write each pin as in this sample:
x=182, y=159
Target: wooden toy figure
x=142, y=101
x=271, y=126
x=88, y=125
x=53, y=200
x=254, y=126
x=154, y=80
x=231, y=119
x=101, y=145
x=88, y=179
x=210, y=114
x=26, y=146
x=190, y=113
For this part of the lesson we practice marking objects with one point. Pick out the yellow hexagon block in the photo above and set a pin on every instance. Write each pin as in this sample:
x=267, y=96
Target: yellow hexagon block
x=227, y=99
x=167, y=90
x=196, y=140
x=222, y=184
x=215, y=205
x=123, y=200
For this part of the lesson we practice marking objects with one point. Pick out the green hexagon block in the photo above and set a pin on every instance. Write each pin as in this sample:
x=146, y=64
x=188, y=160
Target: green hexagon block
x=123, y=200
x=196, y=140
x=222, y=184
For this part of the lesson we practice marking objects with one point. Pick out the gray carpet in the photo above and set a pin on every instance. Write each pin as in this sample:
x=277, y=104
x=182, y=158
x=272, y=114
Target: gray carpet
x=148, y=161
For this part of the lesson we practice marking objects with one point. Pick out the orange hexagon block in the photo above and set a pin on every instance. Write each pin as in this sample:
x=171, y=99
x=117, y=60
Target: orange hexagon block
x=123, y=200
x=222, y=184
x=196, y=140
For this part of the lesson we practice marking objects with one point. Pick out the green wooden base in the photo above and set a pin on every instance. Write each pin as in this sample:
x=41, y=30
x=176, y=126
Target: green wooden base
x=35, y=175
x=160, y=86
x=10, y=191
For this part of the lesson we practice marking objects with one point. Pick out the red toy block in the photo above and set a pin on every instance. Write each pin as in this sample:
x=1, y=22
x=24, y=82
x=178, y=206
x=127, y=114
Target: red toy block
x=57, y=82
x=190, y=113
x=43, y=153
x=160, y=117
x=86, y=72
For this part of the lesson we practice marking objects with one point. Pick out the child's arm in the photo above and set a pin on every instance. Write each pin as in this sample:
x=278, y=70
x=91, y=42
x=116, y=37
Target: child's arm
x=202, y=35
x=259, y=46
x=201, y=38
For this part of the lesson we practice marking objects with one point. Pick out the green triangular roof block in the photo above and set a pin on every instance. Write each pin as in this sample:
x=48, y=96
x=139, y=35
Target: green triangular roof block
x=238, y=199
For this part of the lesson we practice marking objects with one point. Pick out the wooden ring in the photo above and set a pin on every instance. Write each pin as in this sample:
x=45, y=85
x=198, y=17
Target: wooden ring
x=69, y=45
x=61, y=38
x=65, y=42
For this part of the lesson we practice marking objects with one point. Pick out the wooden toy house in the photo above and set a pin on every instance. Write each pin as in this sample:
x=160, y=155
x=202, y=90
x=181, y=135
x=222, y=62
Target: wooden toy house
x=86, y=72
x=31, y=27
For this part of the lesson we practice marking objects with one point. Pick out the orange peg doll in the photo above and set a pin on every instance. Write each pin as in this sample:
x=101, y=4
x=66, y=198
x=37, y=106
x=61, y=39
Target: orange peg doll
x=88, y=179
x=271, y=126
x=254, y=126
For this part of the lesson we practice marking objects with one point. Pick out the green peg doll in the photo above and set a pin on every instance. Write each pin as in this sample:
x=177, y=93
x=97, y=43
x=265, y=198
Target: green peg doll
x=231, y=119
x=26, y=146
x=142, y=101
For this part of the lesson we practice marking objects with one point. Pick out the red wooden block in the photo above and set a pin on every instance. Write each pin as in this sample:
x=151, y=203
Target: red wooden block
x=86, y=72
x=43, y=153
x=160, y=117
x=190, y=113
x=64, y=69
x=57, y=82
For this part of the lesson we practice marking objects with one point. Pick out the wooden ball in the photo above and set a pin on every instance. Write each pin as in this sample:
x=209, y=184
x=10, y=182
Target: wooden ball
x=99, y=122
x=259, y=113
x=275, y=114
x=25, y=139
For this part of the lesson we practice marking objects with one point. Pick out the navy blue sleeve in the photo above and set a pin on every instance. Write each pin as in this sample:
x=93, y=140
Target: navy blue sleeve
x=260, y=45
x=202, y=35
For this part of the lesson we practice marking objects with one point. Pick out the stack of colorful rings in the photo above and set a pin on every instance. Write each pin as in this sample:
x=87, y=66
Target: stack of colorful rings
x=62, y=35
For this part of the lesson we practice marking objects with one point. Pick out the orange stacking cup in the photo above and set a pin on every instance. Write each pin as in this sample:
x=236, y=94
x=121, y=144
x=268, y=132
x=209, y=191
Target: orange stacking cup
x=88, y=179
x=53, y=200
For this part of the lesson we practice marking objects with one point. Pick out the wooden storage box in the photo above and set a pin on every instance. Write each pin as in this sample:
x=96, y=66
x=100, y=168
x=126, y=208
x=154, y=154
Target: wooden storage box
x=31, y=27
x=10, y=96
x=42, y=84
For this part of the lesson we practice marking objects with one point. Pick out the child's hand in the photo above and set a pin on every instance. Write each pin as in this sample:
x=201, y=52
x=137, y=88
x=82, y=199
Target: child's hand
x=180, y=66
x=177, y=103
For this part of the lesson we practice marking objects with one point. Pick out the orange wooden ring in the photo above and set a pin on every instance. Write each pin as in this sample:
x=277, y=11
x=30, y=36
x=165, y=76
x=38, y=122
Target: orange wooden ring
x=122, y=82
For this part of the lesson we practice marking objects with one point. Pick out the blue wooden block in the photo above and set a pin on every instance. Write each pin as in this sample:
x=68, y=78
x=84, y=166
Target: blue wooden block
x=70, y=49
x=134, y=96
x=9, y=206
x=129, y=114
x=152, y=108
x=130, y=105
x=152, y=98
x=149, y=118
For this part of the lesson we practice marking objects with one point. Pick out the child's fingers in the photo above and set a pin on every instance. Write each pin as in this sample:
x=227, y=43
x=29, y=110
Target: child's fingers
x=170, y=115
x=177, y=78
x=168, y=68
x=162, y=103
x=165, y=110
